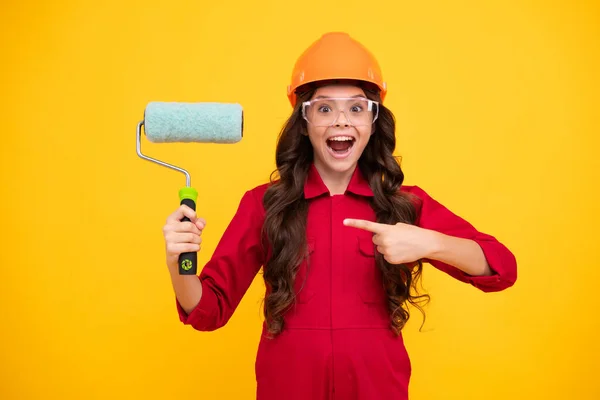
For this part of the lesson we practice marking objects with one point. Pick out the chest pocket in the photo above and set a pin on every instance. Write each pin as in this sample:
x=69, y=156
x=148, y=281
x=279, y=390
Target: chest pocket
x=370, y=283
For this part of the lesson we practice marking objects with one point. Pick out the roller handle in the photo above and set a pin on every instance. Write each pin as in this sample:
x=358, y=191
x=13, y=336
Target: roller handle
x=188, y=262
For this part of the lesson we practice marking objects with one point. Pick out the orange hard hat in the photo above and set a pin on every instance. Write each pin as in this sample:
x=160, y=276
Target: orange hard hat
x=336, y=56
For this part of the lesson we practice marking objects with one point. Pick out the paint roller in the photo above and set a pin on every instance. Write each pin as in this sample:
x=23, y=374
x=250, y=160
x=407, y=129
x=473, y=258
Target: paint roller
x=174, y=122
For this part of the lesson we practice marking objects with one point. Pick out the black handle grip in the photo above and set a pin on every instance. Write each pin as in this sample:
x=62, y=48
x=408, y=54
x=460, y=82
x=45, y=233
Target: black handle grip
x=188, y=262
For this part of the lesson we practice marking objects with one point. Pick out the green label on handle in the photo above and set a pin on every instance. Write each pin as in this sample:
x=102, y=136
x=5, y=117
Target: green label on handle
x=186, y=265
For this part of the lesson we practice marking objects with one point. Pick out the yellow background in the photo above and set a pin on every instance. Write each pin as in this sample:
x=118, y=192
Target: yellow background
x=497, y=108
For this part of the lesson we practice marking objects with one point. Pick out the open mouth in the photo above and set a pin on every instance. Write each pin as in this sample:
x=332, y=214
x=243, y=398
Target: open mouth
x=340, y=146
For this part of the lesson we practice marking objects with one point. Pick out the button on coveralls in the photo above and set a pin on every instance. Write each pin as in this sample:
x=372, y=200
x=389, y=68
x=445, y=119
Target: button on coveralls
x=337, y=342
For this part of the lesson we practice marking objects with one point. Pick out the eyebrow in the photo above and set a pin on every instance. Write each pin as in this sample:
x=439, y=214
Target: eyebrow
x=330, y=97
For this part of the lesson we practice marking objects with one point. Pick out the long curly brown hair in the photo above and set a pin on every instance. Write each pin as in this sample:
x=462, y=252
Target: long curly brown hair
x=286, y=209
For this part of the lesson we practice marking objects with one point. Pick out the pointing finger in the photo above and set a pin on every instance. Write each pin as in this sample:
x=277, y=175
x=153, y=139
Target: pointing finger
x=366, y=225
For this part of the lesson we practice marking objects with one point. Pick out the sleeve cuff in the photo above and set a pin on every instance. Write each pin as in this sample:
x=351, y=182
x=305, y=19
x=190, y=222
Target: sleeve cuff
x=500, y=278
x=203, y=314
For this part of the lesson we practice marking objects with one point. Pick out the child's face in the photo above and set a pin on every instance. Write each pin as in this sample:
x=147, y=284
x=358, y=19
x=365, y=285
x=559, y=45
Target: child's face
x=338, y=138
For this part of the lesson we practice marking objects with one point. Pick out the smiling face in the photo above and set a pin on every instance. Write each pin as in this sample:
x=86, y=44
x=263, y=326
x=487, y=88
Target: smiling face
x=339, y=138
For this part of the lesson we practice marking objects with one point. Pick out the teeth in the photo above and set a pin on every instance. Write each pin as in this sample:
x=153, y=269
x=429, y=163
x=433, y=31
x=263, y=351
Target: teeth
x=341, y=138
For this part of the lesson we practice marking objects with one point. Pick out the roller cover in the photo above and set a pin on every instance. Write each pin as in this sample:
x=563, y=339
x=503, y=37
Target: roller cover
x=193, y=122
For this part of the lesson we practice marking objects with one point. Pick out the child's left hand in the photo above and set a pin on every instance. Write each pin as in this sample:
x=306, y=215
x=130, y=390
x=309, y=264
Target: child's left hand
x=400, y=243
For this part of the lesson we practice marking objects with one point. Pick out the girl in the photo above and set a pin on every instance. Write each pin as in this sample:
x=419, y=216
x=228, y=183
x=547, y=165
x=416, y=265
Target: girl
x=340, y=239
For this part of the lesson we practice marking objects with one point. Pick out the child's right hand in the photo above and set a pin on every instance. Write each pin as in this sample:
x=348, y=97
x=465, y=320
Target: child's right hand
x=182, y=237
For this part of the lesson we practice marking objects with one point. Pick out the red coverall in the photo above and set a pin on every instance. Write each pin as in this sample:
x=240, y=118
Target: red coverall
x=336, y=342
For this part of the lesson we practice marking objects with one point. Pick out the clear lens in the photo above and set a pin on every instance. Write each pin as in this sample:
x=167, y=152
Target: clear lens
x=330, y=111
